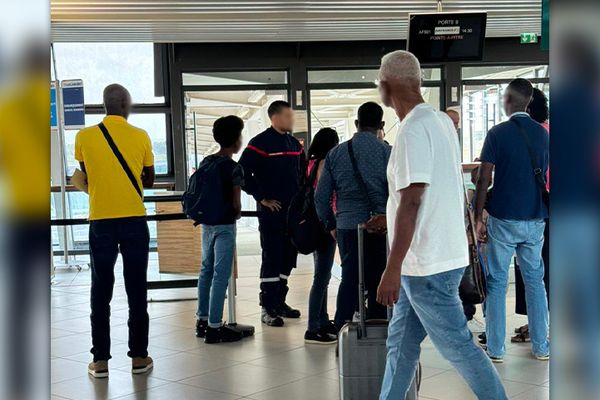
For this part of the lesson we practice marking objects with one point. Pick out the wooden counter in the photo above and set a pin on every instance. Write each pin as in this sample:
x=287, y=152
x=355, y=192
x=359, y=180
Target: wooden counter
x=179, y=242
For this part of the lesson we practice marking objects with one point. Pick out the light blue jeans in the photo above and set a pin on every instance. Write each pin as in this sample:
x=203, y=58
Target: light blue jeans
x=218, y=248
x=525, y=238
x=429, y=305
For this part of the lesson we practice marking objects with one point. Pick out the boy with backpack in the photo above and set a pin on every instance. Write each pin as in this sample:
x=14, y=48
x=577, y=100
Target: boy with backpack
x=213, y=200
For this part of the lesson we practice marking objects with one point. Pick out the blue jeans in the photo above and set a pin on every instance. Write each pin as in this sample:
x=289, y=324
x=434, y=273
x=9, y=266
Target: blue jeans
x=429, y=305
x=317, y=300
x=525, y=238
x=218, y=248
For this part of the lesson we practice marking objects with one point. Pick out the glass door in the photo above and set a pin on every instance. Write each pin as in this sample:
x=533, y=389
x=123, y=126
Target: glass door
x=335, y=96
x=246, y=95
x=482, y=105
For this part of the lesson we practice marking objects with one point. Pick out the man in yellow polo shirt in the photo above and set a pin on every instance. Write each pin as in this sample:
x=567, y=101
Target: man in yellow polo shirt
x=117, y=158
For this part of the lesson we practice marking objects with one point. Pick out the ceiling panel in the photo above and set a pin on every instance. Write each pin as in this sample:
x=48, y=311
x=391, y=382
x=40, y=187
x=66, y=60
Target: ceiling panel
x=261, y=20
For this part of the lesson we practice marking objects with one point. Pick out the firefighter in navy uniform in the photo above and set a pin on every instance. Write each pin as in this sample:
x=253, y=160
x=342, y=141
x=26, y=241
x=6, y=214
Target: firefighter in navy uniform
x=274, y=165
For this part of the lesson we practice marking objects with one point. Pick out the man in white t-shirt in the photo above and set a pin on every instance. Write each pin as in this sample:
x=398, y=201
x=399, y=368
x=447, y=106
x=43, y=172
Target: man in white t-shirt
x=428, y=242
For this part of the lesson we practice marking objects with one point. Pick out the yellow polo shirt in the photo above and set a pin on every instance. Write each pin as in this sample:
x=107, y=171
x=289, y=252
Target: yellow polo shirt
x=112, y=194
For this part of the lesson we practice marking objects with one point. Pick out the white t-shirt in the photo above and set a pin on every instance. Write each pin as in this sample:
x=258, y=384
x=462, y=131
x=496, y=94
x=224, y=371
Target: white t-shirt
x=426, y=150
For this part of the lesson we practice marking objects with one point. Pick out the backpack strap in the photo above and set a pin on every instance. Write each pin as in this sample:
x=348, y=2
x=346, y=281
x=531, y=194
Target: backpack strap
x=119, y=156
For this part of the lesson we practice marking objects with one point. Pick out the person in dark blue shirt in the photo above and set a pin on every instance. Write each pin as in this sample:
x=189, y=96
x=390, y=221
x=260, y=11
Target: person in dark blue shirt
x=516, y=217
x=274, y=165
x=218, y=237
x=355, y=206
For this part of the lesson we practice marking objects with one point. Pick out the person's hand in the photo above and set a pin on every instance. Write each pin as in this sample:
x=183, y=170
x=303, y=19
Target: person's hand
x=388, y=291
x=333, y=234
x=272, y=205
x=377, y=224
x=481, y=231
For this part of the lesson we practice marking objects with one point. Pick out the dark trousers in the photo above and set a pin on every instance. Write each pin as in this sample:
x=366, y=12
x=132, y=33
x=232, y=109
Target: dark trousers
x=278, y=259
x=375, y=254
x=131, y=237
x=317, y=300
x=469, y=310
x=521, y=302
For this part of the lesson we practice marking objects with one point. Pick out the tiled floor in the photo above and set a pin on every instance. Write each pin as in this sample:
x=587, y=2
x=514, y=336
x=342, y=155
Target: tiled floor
x=274, y=364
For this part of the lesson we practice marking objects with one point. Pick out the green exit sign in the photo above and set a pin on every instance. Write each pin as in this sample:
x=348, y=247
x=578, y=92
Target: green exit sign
x=527, y=38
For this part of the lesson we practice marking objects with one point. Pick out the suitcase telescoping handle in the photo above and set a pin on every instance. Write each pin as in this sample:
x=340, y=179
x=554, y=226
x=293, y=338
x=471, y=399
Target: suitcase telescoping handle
x=362, y=310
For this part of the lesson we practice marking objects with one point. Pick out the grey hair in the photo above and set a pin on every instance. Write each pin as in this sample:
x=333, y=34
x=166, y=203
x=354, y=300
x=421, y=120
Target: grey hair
x=400, y=65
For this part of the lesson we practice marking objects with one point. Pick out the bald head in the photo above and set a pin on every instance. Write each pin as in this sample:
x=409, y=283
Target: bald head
x=117, y=100
x=454, y=116
x=517, y=96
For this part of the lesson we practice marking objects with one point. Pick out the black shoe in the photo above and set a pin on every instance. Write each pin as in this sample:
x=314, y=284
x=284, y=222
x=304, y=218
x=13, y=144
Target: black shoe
x=222, y=334
x=320, y=337
x=201, y=328
x=482, y=338
x=330, y=328
x=286, y=311
x=270, y=317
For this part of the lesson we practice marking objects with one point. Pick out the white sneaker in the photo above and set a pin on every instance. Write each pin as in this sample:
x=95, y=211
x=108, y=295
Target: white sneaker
x=476, y=326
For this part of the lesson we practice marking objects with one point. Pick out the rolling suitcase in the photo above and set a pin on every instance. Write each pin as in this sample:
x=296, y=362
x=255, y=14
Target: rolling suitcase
x=362, y=349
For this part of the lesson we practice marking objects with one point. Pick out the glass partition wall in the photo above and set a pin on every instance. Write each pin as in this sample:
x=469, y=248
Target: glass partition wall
x=335, y=96
x=246, y=94
x=482, y=107
x=98, y=65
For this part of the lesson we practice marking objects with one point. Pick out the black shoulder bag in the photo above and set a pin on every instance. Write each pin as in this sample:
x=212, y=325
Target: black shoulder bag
x=119, y=156
x=472, y=288
x=537, y=171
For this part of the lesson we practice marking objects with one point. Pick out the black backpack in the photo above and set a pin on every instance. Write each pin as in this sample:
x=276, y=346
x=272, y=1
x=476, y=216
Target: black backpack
x=304, y=228
x=202, y=201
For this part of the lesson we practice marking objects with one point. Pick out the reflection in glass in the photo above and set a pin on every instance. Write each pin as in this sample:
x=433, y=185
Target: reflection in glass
x=234, y=78
x=482, y=105
x=202, y=108
x=337, y=108
x=361, y=75
x=100, y=64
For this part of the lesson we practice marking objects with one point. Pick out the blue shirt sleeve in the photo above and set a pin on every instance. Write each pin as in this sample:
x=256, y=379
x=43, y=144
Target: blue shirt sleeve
x=489, y=150
x=324, y=195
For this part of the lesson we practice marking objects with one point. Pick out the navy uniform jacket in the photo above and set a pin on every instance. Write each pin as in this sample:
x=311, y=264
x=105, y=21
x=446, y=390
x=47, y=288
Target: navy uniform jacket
x=274, y=166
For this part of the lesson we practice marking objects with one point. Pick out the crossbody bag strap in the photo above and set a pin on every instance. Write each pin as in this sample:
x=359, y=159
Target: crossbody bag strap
x=119, y=156
x=537, y=171
x=312, y=177
x=359, y=177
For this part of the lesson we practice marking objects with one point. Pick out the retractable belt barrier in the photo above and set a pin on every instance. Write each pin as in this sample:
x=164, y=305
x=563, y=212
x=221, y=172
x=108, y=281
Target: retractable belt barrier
x=162, y=284
x=247, y=330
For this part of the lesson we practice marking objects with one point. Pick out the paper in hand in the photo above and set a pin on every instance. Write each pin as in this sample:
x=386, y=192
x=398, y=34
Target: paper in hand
x=79, y=180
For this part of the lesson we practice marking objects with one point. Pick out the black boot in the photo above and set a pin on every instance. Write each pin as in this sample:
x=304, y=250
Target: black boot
x=286, y=311
x=283, y=310
x=222, y=334
x=270, y=318
x=201, y=328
